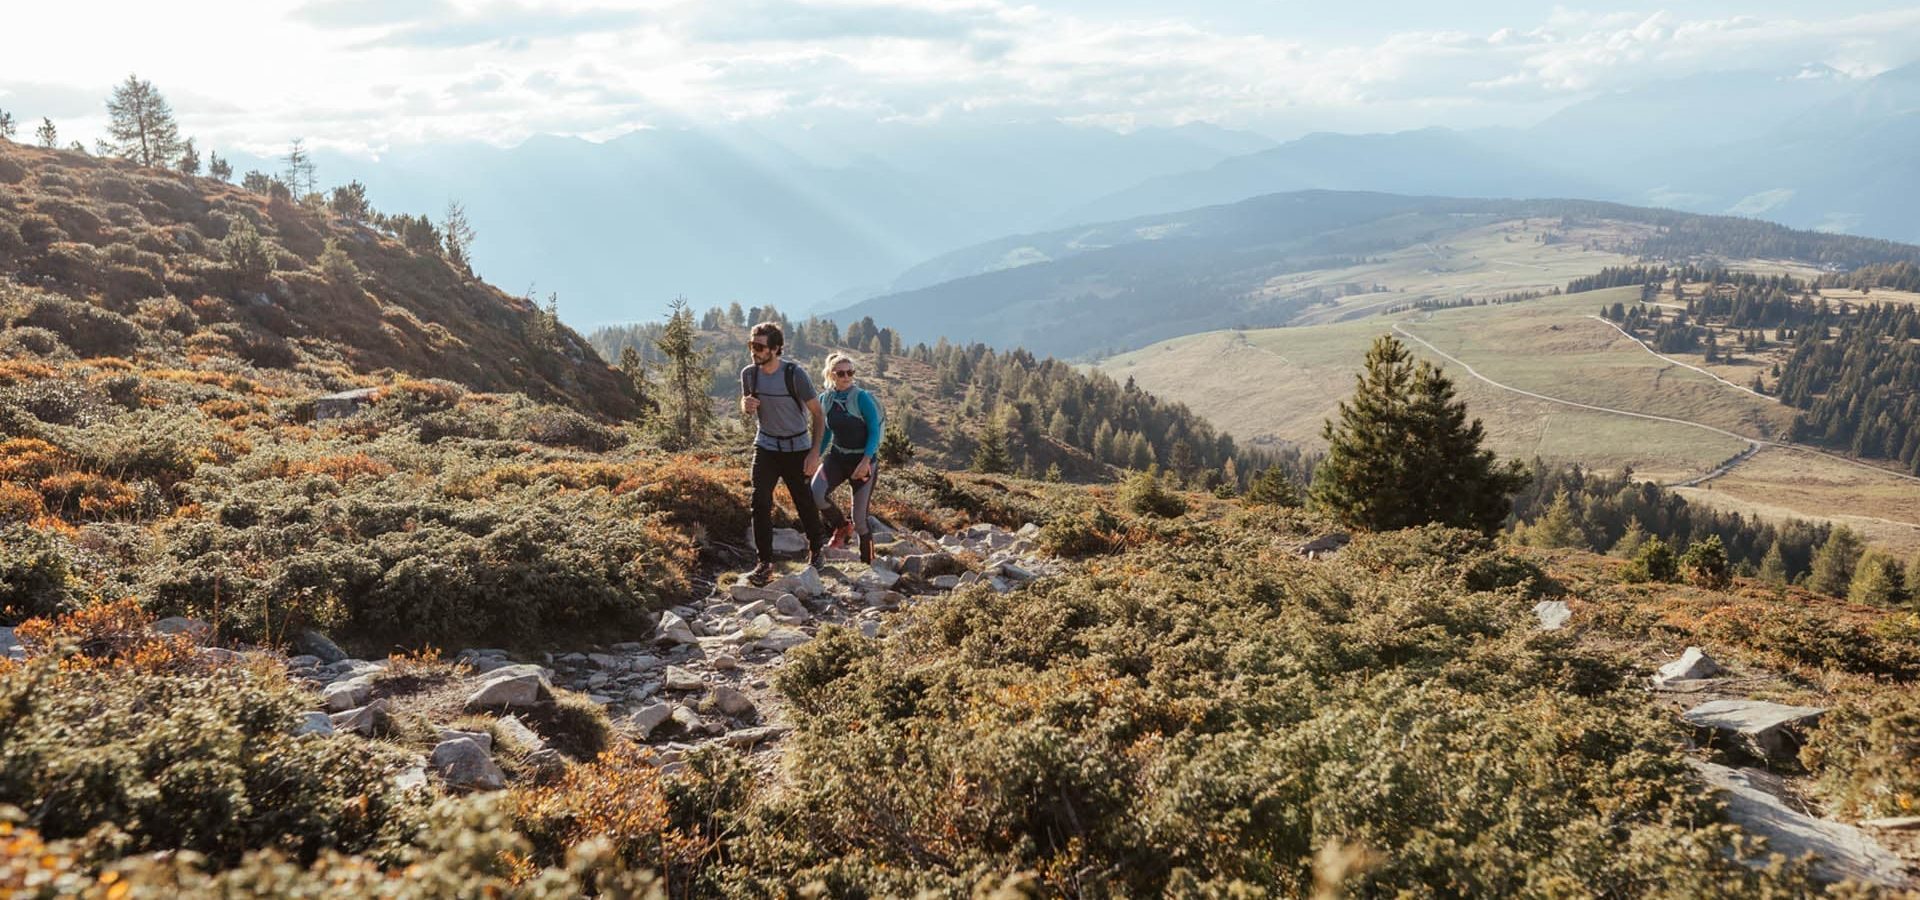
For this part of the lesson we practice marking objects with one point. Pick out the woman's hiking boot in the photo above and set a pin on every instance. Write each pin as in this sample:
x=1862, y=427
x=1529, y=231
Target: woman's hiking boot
x=840, y=536
x=866, y=549
x=817, y=559
x=760, y=575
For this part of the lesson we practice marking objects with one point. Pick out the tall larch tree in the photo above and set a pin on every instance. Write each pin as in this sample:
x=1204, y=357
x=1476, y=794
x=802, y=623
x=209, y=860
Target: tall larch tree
x=140, y=124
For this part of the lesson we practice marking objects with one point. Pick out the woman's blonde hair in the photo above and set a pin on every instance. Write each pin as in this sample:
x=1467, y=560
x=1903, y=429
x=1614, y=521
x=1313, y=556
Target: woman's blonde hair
x=833, y=359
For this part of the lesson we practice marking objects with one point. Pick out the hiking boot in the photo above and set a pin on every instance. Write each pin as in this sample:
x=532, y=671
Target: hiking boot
x=866, y=549
x=761, y=574
x=817, y=559
x=840, y=536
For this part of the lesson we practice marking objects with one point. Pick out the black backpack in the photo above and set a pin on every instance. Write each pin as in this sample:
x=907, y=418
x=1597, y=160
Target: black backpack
x=787, y=368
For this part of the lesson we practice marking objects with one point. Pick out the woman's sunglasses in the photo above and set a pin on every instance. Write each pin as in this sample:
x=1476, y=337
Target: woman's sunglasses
x=843, y=373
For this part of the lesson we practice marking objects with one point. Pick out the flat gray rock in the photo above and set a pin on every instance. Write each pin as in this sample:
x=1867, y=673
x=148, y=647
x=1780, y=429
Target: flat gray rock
x=314, y=723
x=516, y=732
x=679, y=679
x=346, y=694
x=10, y=646
x=463, y=763
x=1767, y=729
x=1553, y=614
x=645, y=719
x=731, y=701
x=675, y=629
x=747, y=737
x=507, y=689
x=804, y=583
x=1843, y=851
x=313, y=643
x=782, y=638
x=364, y=721
x=482, y=738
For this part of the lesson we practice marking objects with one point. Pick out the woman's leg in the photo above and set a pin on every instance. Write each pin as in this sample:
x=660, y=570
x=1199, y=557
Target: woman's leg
x=824, y=482
x=862, y=494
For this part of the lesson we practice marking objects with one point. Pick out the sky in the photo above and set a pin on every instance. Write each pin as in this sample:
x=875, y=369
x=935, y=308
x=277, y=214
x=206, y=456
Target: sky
x=364, y=76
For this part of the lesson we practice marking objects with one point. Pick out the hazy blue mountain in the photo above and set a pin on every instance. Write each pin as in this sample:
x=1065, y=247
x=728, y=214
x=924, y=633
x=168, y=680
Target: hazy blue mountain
x=1428, y=161
x=1091, y=289
x=735, y=213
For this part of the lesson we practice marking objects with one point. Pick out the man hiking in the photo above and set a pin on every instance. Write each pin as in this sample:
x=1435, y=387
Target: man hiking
x=780, y=396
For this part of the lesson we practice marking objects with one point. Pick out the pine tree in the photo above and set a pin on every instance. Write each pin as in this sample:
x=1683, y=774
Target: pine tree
x=1773, y=566
x=1832, y=571
x=7, y=125
x=635, y=370
x=349, y=201
x=218, y=167
x=459, y=235
x=1630, y=540
x=689, y=413
x=1559, y=527
x=299, y=176
x=896, y=448
x=1705, y=563
x=1877, y=580
x=189, y=163
x=337, y=266
x=1403, y=454
x=1272, y=488
x=141, y=125
x=1054, y=475
x=990, y=456
x=48, y=135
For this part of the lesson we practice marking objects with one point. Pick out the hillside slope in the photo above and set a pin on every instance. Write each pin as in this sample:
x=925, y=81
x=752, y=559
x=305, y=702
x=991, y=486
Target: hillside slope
x=148, y=252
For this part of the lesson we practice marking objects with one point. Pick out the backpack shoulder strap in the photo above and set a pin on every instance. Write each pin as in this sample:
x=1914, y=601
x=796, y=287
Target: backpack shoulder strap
x=787, y=371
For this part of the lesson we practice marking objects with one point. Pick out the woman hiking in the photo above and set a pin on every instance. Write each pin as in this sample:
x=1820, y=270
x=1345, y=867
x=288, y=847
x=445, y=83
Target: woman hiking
x=849, y=450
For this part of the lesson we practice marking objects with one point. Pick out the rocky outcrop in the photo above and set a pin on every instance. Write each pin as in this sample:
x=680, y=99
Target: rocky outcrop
x=1766, y=730
x=1754, y=802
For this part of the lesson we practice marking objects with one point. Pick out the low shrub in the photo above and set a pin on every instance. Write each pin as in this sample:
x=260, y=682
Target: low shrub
x=88, y=330
x=36, y=578
x=1866, y=755
x=1654, y=561
x=1144, y=494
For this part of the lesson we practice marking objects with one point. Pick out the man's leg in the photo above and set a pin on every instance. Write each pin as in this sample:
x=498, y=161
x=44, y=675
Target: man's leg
x=766, y=472
x=794, y=473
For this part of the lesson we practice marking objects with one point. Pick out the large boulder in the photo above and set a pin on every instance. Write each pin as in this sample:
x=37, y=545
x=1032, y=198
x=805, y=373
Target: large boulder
x=462, y=763
x=366, y=721
x=1843, y=851
x=347, y=693
x=1768, y=730
x=313, y=643
x=1553, y=614
x=509, y=689
x=645, y=719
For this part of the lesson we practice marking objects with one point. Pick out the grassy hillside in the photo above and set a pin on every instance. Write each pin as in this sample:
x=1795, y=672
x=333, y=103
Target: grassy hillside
x=1278, y=385
x=149, y=254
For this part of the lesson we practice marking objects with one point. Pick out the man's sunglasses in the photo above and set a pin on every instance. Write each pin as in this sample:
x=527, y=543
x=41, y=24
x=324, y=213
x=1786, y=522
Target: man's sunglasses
x=756, y=346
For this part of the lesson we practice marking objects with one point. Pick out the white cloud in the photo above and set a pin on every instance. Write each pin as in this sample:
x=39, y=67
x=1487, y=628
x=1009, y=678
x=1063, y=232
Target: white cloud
x=363, y=74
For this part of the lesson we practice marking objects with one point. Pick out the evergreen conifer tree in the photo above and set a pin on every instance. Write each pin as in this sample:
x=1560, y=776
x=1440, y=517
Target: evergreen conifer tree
x=1773, y=566
x=1877, y=580
x=1272, y=488
x=218, y=167
x=1403, y=454
x=689, y=413
x=189, y=162
x=896, y=449
x=1630, y=541
x=1559, y=527
x=990, y=456
x=48, y=135
x=140, y=124
x=7, y=125
x=1832, y=571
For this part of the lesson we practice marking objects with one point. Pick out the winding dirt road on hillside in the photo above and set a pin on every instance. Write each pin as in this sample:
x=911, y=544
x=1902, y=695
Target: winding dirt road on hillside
x=1753, y=444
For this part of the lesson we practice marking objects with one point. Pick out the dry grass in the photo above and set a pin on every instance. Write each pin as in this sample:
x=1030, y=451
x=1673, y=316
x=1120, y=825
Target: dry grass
x=1781, y=482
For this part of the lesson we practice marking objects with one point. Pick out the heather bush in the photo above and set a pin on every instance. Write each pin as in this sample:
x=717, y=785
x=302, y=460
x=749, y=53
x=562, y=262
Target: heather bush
x=1145, y=494
x=1866, y=755
x=1654, y=561
x=87, y=329
x=1705, y=564
x=36, y=578
x=191, y=758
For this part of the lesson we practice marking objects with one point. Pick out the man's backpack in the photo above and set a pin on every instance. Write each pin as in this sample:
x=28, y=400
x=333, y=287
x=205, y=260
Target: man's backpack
x=787, y=368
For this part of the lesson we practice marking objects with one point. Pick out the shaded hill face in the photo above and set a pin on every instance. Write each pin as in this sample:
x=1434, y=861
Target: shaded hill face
x=149, y=253
x=1284, y=258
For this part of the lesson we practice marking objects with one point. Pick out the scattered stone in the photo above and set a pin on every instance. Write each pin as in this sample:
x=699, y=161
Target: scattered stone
x=1553, y=614
x=541, y=763
x=10, y=647
x=197, y=631
x=643, y=692
x=731, y=701
x=1016, y=572
x=313, y=643
x=510, y=690
x=413, y=777
x=747, y=737
x=1000, y=585
x=804, y=583
x=688, y=719
x=679, y=679
x=629, y=647
x=1843, y=851
x=1692, y=665
x=1028, y=530
x=341, y=696
x=607, y=660
x=598, y=680
x=303, y=662
x=791, y=607
x=675, y=629
x=365, y=721
x=726, y=662
x=1324, y=545
x=755, y=608
x=645, y=719
x=782, y=638
x=761, y=626
x=885, y=599
x=486, y=664
x=877, y=580
x=745, y=592
x=514, y=732
x=946, y=582
x=484, y=739
x=463, y=763
x=870, y=628
x=1767, y=729
x=316, y=723
x=600, y=699
x=967, y=578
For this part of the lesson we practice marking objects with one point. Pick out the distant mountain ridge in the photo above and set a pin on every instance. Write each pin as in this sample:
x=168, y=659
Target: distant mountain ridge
x=1118, y=285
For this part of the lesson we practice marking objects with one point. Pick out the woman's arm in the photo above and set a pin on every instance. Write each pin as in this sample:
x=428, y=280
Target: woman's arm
x=870, y=410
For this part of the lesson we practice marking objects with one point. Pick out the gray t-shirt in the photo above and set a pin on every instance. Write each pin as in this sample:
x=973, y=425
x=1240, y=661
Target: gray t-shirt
x=784, y=424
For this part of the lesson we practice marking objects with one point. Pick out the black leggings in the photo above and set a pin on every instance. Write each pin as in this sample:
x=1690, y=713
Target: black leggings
x=835, y=470
x=770, y=466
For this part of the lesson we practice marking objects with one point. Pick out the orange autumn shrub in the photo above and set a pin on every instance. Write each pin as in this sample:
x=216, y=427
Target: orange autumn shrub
x=31, y=459
x=19, y=371
x=114, y=634
x=620, y=797
x=692, y=492
x=340, y=468
x=85, y=496
x=19, y=503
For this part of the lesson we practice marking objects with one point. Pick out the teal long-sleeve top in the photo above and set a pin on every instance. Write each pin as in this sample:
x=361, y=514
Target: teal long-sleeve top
x=836, y=404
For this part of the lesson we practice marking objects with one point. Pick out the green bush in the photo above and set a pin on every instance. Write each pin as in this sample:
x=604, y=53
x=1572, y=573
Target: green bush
x=1145, y=494
x=1866, y=755
x=88, y=330
x=202, y=761
x=1090, y=532
x=1705, y=564
x=36, y=578
x=1654, y=561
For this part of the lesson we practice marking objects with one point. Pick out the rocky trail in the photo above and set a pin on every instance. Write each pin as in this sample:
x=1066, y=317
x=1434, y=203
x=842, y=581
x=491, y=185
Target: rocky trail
x=703, y=675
